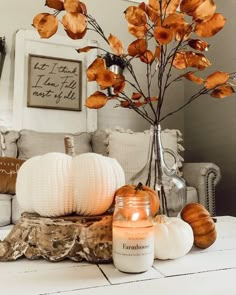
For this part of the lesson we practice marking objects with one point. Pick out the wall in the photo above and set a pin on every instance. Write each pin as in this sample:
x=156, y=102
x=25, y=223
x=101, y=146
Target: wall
x=210, y=124
x=19, y=14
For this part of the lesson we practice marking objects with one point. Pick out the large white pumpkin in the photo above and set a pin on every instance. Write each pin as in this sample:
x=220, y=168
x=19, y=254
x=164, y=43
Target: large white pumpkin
x=56, y=184
x=173, y=237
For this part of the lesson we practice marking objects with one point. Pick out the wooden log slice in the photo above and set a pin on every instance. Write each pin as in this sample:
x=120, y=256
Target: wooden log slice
x=74, y=237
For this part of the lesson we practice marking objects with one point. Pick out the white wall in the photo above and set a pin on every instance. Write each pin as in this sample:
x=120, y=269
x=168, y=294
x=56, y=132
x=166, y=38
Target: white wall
x=210, y=124
x=17, y=14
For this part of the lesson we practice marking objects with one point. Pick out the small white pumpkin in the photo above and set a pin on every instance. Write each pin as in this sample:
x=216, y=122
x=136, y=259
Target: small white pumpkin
x=56, y=184
x=173, y=237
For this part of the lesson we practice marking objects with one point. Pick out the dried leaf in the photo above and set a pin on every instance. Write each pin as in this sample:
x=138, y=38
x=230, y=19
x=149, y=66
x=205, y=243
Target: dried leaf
x=74, y=22
x=138, y=32
x=116, y=45
x=46, y=24
x=210, y=27
x=135, y=16
x=151, y=13
x=216, y=79
x=86, y=49
x=76, y=36
x=172, y=6
x=98, y=65
x=72, y=6
x=147, y=57
x=96, y=101
x=119, y=83
x=55, y=4
x=137, y=47
x=185, y=59
x=189, y=6
x=204, y=11
x=163, y=35
x=179, y=27
x=157, y=53
x=191, y=77
x=198, y=44
x=136, y=96
x=168, y=7
x=125, y=104
x=222, y=91
x=105, y=78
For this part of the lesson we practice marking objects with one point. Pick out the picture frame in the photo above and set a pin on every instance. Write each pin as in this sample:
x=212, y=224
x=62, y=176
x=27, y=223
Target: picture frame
x=54, y=83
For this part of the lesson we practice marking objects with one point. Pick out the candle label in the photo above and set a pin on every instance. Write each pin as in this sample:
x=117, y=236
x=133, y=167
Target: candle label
x=133, y=248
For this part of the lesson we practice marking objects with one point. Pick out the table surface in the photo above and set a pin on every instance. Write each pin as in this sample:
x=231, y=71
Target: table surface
x=210, y=271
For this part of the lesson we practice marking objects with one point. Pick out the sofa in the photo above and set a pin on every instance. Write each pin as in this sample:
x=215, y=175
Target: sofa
x=128, y=147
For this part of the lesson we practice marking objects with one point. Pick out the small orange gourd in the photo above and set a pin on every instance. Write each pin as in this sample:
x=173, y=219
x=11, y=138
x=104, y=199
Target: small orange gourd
x=203, y=226
x=139, y=191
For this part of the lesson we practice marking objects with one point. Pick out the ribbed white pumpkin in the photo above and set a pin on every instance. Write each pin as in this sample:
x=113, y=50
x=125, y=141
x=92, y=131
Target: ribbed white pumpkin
x=56, y=184
x=173, y=237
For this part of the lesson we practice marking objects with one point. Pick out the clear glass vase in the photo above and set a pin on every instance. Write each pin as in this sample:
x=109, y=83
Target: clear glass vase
x=170, y=186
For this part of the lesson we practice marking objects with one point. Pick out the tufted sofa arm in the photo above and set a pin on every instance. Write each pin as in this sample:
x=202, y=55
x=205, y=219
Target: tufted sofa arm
x=204, y=177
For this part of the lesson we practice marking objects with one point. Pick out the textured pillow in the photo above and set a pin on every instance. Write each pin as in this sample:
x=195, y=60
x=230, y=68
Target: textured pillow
x=8, y=139
x=132, y=151
x=33, y=143
x=8, y=173
x=100, y=142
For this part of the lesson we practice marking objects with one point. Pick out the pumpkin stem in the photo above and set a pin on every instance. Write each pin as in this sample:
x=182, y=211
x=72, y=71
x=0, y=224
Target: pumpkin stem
x=139, y=187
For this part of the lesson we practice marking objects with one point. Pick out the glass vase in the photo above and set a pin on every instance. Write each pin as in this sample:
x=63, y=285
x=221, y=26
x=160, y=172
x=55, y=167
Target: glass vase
x=170, y=186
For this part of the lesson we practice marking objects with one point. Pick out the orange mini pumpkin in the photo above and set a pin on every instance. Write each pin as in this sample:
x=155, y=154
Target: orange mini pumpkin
x=141, y=190
x=202, y=224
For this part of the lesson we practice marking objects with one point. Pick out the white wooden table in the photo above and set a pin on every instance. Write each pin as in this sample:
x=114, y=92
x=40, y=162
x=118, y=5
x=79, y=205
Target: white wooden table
x=206, y=272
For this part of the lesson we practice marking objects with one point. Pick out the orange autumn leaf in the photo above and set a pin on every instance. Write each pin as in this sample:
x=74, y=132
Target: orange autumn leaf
x=72, y=6
x=198, y=44
x=172, y=6
x=163, y=35
x=211, y=27
x=135, y=16
x=154, y=4
x=98, y=65
x=136, y=96
x=83, y=8
x=147, y=57
x=168, y=7
x=55, y=4
x=125, y=104
x=204, y=11
x=46, y=24
x=151, y=13
x=189, y=6
x=116, y=45
x=222, y=91
x=157, y=52
x=76, y=36
x=119, y=83
x=179, y=27
x=216, y=79
x=191, y=77
x=137, y=47
x=74, y=22
x=185, y=59
x=96, y=101
x=137, y=31
x=85, y=49
x=105, y=78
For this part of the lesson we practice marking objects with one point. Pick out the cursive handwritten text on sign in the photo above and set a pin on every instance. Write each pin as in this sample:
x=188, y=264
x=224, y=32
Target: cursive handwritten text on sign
x=54, y=83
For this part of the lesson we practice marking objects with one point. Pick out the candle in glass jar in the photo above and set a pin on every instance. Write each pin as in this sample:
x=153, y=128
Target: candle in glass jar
x=132, y=235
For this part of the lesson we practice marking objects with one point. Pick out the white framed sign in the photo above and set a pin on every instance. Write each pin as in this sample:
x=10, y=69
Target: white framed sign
x=26, y=114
